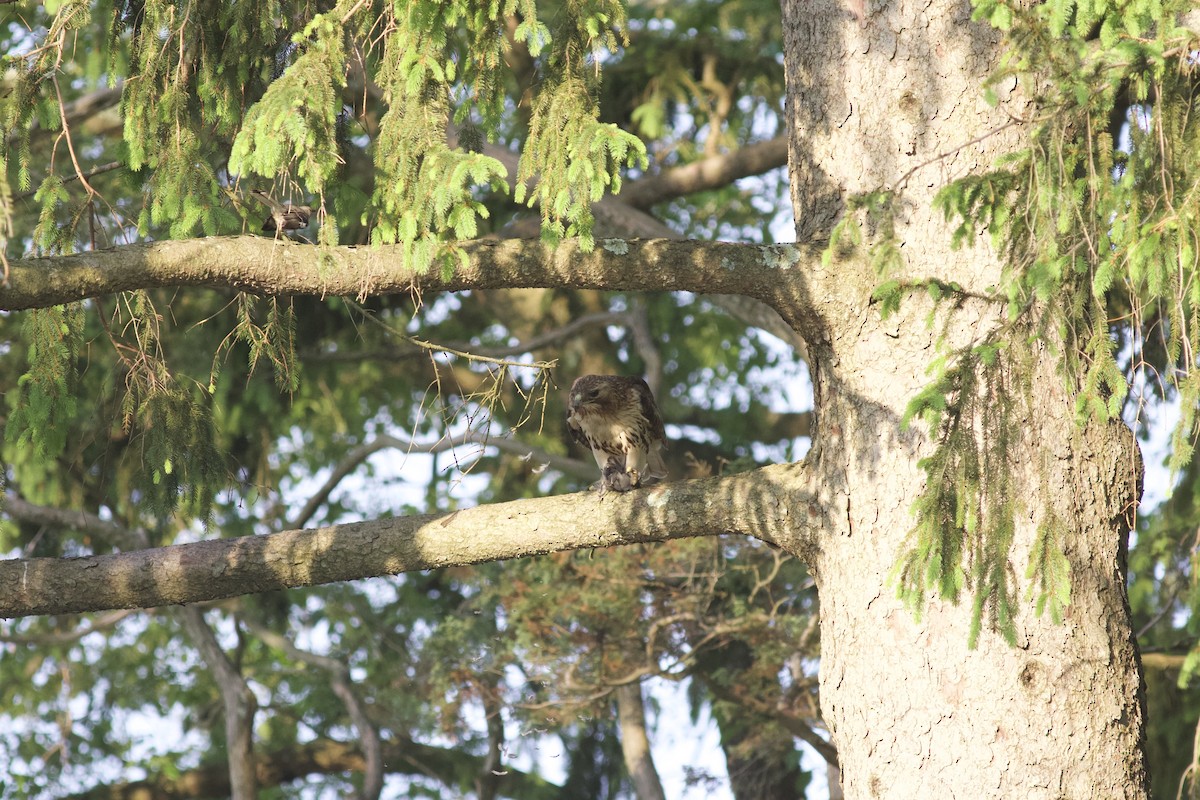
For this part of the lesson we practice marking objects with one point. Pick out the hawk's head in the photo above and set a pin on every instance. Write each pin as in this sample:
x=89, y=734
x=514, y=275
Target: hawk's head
x=595, y=393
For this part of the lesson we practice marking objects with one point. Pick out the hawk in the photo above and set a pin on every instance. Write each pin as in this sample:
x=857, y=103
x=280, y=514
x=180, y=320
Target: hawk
x=284, y=216
x=617, y=419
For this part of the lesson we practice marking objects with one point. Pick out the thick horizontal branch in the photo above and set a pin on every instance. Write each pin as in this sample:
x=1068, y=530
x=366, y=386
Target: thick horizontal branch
x=775, y=274
x=770, y=504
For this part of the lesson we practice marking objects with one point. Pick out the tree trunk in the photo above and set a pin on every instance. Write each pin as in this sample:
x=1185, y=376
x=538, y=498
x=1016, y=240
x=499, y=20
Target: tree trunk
x=239, y=704
x=760, y=756
x=896, y=102
x=635, y=744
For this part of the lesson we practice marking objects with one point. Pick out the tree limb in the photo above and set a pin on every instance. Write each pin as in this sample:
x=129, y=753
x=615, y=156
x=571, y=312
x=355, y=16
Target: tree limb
x=549, y=337
x=491, y=771
x=17, y=508
x=102, y=104
x=238, y=701
x=569, y=466
x=342, y=686
x=323, y=757
x=763, y=503
x=776, y=274
x=69, y=637
x=707, y=173
x=635, y=743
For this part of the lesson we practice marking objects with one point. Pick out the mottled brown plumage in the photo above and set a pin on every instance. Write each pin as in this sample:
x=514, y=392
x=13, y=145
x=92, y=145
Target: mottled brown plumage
x=617, y=419
x=284, y=216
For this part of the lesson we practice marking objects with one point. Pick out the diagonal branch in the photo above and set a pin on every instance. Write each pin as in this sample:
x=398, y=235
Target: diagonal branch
x=238, y=702
x=773, y=504
x=342, y=686
x=707, y=173
x=17, y=508
x=69, y=637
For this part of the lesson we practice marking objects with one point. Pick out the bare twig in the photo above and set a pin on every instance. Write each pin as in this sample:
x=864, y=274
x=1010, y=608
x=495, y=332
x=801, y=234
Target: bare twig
x=942, y=156
x=91, y=173
x=441, y=348
x=18, y=508
x=712, y=172
x=358, y=455
x=62, y=115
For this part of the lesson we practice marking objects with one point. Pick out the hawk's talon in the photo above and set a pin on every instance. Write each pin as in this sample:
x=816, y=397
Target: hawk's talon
x=615, y=478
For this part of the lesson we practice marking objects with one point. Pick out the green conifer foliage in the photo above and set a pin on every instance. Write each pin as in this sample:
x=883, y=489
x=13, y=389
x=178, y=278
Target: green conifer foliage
x=1095, y=229
x=218, y=96
x=1101, y=247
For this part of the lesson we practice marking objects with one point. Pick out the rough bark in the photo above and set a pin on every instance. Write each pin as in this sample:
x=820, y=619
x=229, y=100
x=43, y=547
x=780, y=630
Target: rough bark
x=763, y=504
x=635, y=743
x=896, y=102
x=771, y=273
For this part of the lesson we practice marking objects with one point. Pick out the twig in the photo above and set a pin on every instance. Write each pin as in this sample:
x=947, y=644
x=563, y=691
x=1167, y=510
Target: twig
x=438, y=348
x=954, y=150
x=343, y=687
x=358, y=455
x=67, y=637
x=91, y=173
x=1168, y=606
x=62, y=115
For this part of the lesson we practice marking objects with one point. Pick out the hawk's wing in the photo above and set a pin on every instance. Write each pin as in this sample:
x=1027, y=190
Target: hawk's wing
x=654, y=435
x=650, y=412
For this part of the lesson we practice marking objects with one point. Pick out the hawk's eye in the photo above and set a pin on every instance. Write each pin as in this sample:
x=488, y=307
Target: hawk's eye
x=593, y=394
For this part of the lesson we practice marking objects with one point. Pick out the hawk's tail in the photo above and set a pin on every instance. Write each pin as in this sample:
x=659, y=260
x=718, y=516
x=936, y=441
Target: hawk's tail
x=656, y=468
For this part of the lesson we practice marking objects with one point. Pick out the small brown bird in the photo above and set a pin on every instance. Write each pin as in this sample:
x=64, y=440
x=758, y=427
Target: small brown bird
x=617, y=419
x=284, y=216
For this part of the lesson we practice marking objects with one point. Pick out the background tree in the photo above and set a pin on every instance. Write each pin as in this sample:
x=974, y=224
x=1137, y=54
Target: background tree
x=122, y=434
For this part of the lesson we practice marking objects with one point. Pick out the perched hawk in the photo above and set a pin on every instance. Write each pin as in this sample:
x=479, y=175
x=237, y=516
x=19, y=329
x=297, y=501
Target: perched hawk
x=284, y=216
x=617, y=418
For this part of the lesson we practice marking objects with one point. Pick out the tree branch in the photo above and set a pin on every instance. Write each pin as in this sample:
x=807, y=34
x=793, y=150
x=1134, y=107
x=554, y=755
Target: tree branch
x=762, y=503
x=342, y=686
x=776, y=274
x=324, y=757
x=69, y=637
x=487, y=781
x=101, y=104
x=533, y=343
x=237, y=700
x=549, y=337
x=635, y=743
x=17, y=508
x=354, y=458
x=707, y=173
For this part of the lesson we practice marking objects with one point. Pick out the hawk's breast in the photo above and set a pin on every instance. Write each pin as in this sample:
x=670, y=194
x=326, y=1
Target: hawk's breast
x=617, y=433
